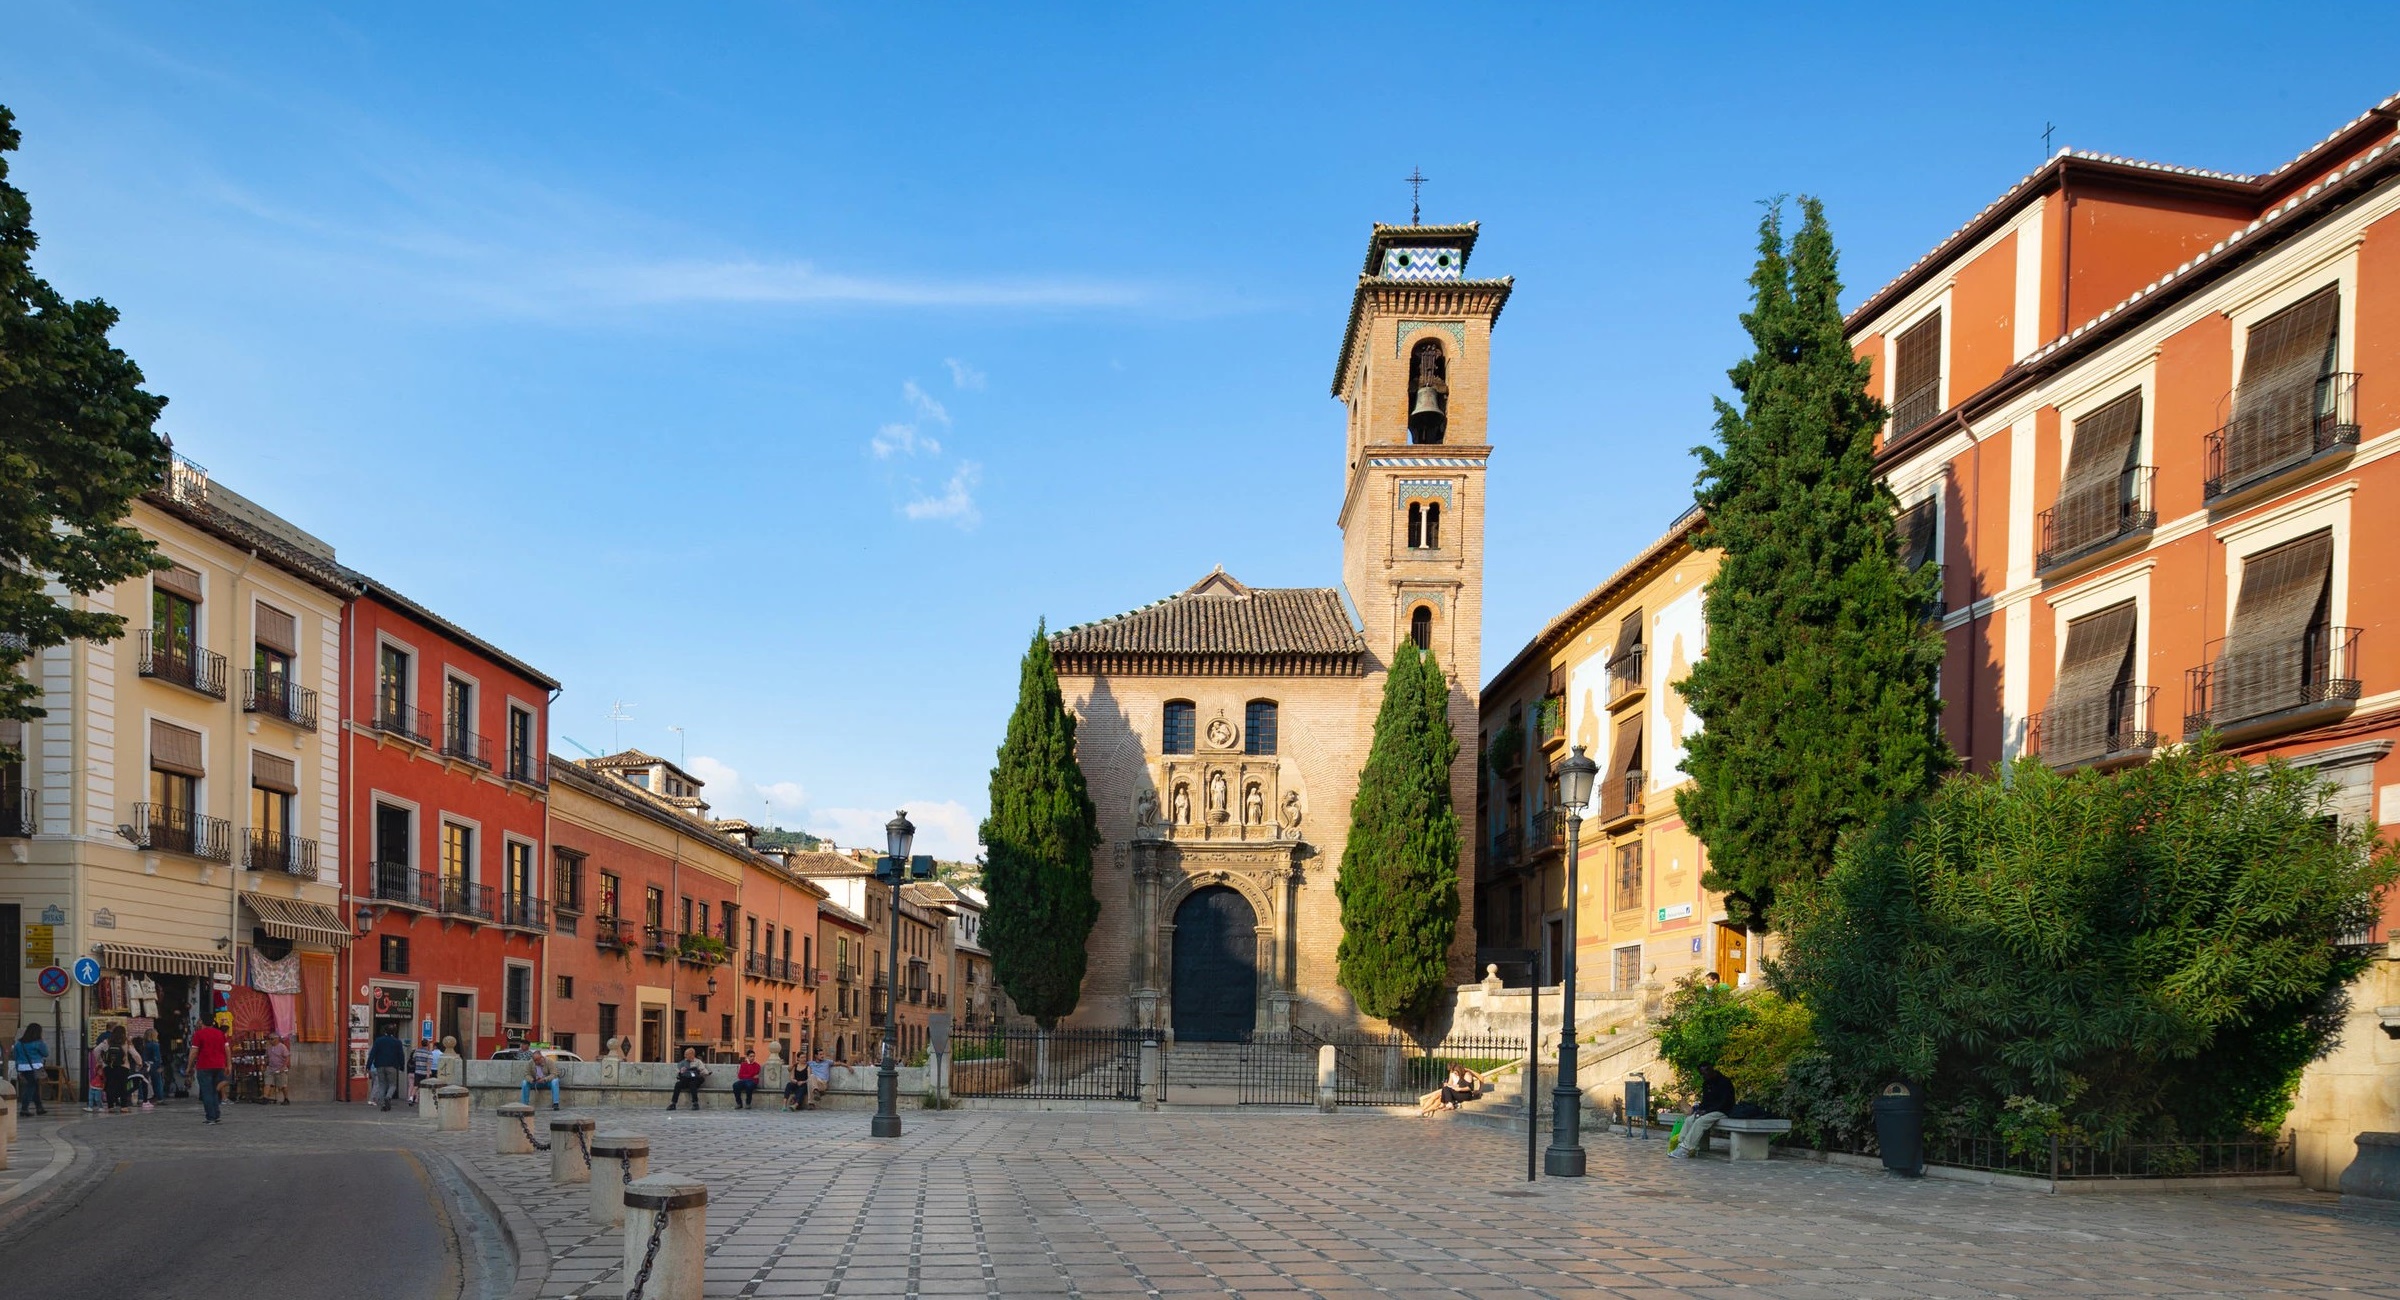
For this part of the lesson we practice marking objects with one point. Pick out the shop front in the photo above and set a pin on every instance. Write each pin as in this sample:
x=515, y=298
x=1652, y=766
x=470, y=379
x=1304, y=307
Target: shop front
x=290, y=960
x=149, y=991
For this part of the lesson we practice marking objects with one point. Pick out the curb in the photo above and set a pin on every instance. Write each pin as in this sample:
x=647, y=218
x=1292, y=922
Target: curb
x=63, y=1152
x=524, y=1239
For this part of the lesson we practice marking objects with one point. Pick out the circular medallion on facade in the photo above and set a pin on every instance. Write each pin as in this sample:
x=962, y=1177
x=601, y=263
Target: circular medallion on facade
x=1220, y=732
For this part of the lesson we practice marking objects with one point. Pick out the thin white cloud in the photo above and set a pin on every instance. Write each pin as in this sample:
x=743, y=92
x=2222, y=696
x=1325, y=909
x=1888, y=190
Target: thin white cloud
x=945, y=828
x=641, y=284
x=904, y=440
x=729, y=795
x=923, y=402
x=956, y=502
x=963, y=375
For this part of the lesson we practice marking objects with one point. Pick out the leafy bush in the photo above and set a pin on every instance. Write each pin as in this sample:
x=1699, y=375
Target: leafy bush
x=1699, y=1016
x=1751, y=1035
x=2155, y=952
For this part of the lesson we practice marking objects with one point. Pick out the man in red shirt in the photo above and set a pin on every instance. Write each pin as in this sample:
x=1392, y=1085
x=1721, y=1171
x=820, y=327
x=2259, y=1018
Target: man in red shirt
x=209, y=1063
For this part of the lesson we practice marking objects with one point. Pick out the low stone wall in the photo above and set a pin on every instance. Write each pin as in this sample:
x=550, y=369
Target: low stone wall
x=651, y=1083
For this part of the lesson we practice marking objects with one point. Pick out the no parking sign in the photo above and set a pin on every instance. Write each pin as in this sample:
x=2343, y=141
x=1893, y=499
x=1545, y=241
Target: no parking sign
x=53, y=981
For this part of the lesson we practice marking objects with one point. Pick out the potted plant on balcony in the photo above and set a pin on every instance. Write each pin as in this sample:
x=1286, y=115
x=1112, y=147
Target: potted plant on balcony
x=702, y=949
x=1507, y=753
x=1549, y=720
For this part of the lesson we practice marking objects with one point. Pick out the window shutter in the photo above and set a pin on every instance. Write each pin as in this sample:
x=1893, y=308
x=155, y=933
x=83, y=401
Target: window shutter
x=2274, y=409
x=1915, y=531
x=1620, y=767
x=2091, y=493
x=175, y=749
x=1917, y=375
x=2265, y=664
x=179, y=580
x=278, y=631
x=268, y=772
x=1629, y=632
x=2099, y=648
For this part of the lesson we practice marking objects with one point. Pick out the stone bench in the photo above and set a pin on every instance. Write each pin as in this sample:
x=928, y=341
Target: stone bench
x=1752, y=1139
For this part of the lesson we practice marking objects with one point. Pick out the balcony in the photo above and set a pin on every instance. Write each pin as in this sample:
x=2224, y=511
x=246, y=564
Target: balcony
x=1626, y=680
x=467, y=747
x=467, y=899
x=521, y=912
x=2280, y=429
x=810, y=977
x=20, y=815
x=395, y=882
x=394, y=718
x=611, y=934
x=526, y=770
x=1550, y=723
x=1624, y=803
x=1548, y=834
x=2120, y=725
x=165, y=659
x=845, y=973
x=162, y=829
x=2095, y=518
x=278, y=696
x=937, y=1001
x=656, y=942
x=1506, y=846
x=700, y=948
x=1915, y=408
x=2312, y=673
x=270, y=850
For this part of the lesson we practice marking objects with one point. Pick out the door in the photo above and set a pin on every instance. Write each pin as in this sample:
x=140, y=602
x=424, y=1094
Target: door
x=458, y=1021
x=1733, y=954
x=654, y=1034
x=1216, y=967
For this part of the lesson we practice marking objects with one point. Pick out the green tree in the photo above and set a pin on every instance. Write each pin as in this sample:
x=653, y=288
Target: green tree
x=1038, y=845
x=1399, y=881
x=2155, y=952
x=76, y=447
x=1816, y=694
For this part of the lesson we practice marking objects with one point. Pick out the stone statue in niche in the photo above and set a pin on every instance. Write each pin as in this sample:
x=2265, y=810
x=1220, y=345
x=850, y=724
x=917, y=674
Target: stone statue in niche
x=1291, y=809
x=1145, y=809
x=1220, y=733
x=1217, y=805
x=1254, y=806
x=1183, y=804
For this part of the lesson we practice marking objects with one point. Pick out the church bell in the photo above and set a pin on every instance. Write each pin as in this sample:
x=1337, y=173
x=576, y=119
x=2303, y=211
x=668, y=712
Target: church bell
x=1426, y=420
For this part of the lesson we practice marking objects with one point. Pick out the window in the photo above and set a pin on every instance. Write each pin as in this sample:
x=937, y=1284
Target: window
x=808, y=949
x=176, y=758
x=641, y=779
x=1177, y=735
x=608, y=1024
x=1258, y=727
x=458, y=855
x=391, y=687
x=391, y=836
x=175, y=620
x=566, y=882
x=1915, y=532
x=682, y=1026
x=2086, y=716
x=1917, y=375
x=1628, y=968
x=520, y=743
x=611, y=892
x=1629, y=876
x=566, y=988
x=684, y=922
x=395, y=954
x=654, y=907
x=563, y=1042
x=2289, y=405
x=458, y=715
x=750, y=937
x=1424, y=525
x=2280, y=652
x=1420, y=627
x=517, y=1005
x=1620, y=787
x=703, y=915
x=725, y=1028
x=749, y=1018
x=519, y=871
x=272, y=786
x=276, y=639
x=1429, y=393
x=2099, y=488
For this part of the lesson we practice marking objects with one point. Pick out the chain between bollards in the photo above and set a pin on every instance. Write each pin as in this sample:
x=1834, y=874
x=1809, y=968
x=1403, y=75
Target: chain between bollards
x=658, y=1232
x=584, y=1149
x=624, y=1171
x=527, y=1125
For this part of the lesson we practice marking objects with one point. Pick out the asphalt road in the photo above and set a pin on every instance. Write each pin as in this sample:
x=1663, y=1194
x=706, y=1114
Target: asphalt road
x=361, y=1225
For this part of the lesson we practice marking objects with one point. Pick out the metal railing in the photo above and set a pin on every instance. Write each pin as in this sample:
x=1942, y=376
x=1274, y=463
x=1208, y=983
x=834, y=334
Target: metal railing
x=187, y=482
x=2319, y=667
x=397, y=719
x=467, y=746
x=2120, y=722
x=180, y=830
x=1550, y=721
x=844, y=972
x=937, y=1001
x=2096, y=517
x=1625, y=673
x=612, y=933
x=2068, y=1160
x=526, y=770
x=1506, y=846
x=20, y=817
x=2277, y=429
x=1054, y=1064
x=468, y=899
x=1369, y=1069
x=272, y=850
x=1626, y=801
x=810, y=977
x=165, y=659
x=656, y=942
x=1548, y=834
x=397, y=882
x=278, y=696
x=1912, y=409
x=524, y=912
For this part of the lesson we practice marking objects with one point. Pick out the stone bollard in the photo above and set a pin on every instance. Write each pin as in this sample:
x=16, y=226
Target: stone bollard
x=8, y=1117
x=1328, y=1079
x=452, y=1108
x=1150, y=1064
x=666, y=1237
x=513, y=1131
x=617, y=1159
x=570, y=1150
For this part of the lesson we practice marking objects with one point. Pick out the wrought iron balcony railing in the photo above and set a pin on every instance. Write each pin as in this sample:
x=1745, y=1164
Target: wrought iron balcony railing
x=1625, y=800
x=811, y=977
x=2278, y=427
x=163, y=829
x=2120, y=723
x=465, y=745
x=394, y=718
x=1914, y=408
x=278, y=696
x=1625, y=674
x=397, y=882
x=468, y=899
x=1506, y=846
x=611, y=933
x=20, y=817
x=657, y=942
x=524, y=912
x=526, y=770
x=272, y=850
x=2094, y=517
x=168, y=659
x=2319, y=667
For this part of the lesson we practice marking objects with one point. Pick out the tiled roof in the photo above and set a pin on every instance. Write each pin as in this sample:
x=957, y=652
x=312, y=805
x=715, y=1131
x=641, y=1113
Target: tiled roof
x=1219, y=616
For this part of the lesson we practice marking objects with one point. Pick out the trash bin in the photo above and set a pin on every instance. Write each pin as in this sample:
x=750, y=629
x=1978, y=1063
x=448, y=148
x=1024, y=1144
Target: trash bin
x=1900, y=1129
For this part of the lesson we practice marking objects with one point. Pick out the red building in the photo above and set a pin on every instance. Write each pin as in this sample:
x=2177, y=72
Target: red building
x=444, y=807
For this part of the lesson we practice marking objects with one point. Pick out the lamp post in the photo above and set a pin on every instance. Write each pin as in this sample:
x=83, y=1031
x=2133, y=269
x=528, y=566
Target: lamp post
x=1565, y=1156
x=898, y=835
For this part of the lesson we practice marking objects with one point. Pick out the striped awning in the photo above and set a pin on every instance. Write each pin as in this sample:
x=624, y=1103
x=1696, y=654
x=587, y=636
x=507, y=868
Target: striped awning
x=302, y=922
x=162, y=961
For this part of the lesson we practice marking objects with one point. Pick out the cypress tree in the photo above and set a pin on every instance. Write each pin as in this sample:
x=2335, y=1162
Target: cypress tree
x=1038, y=845
x=1816, y=695
x=1399, y=881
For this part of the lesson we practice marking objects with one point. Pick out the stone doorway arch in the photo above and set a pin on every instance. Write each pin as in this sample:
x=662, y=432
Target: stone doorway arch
x=1215, y=979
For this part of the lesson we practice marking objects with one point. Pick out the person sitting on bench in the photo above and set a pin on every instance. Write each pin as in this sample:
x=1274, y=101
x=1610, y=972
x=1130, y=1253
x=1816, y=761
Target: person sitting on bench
x=1462, y=1085
x=1716, y=1098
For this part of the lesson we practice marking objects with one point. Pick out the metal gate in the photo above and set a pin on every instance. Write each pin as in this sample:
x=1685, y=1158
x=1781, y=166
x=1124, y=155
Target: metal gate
x=1279, y=1069
x=1369, y=1069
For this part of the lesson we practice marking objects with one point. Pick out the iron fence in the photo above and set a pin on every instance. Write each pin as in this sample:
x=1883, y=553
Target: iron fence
x=2070, y=1160
x=1051, y=1065
x=1391, y=1069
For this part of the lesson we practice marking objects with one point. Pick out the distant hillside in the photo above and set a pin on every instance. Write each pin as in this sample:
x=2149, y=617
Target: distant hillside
x=779, y=838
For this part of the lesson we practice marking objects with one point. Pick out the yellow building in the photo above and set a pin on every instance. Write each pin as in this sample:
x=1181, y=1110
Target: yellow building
x=1601, y=675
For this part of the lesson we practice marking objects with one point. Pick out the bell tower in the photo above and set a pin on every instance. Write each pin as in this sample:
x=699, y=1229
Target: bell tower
x=1414, y=376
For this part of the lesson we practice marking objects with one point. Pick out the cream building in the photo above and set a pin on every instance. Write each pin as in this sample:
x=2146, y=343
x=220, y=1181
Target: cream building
x=1222, y=730
x=182, y=795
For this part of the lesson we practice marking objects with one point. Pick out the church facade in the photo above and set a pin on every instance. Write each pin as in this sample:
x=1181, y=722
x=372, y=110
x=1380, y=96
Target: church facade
x=1222, y=730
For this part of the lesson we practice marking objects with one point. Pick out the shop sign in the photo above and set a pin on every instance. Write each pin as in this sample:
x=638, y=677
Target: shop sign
x=1675, y=912
x=360, y=1026
x=395, y=1004
x=103, y=919
x=41, y=945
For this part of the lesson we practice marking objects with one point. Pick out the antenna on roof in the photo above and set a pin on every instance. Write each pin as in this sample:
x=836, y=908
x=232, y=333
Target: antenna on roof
x=617, y=713
x=678, y=744
x=2047, y=128
x=1416, y=179
x=588, y=750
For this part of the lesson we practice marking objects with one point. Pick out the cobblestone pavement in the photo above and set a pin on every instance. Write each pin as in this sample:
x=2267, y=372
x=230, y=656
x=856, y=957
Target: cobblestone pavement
x=1013, y=1204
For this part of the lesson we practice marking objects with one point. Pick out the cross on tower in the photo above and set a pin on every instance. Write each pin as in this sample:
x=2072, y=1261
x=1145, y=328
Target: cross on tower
x=2047, y=128
x=1416, y=187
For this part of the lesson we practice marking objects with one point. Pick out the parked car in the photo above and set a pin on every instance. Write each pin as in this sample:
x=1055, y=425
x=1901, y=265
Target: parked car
x=520, y=1053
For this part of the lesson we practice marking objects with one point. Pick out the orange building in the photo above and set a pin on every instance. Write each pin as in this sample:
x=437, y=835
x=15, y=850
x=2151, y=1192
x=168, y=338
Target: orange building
x=2141, y=415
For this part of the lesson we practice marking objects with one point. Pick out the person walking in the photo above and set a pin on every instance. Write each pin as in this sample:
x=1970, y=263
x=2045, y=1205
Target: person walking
x=690, y=1073
x=31, y=1057
x=116, y=1068
x=387, y=1060
x=420, y=1066
x=745, y=1080
x=539, y=1072
x=154, y=1064
x=209, y=1064
x=279, y=1071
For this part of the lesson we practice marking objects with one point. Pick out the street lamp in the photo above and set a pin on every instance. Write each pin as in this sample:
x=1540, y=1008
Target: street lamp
x=898, y=836
x=1565, y=1156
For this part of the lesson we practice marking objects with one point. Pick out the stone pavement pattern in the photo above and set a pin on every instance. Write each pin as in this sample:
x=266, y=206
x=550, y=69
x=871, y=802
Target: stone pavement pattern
x=1119, y=1204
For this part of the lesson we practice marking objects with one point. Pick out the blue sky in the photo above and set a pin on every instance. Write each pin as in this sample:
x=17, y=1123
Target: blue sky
x=773, y=371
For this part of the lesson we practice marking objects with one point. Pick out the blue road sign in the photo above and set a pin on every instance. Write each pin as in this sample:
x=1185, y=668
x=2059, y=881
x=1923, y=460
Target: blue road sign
x=53, y=981
x=87, y=971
